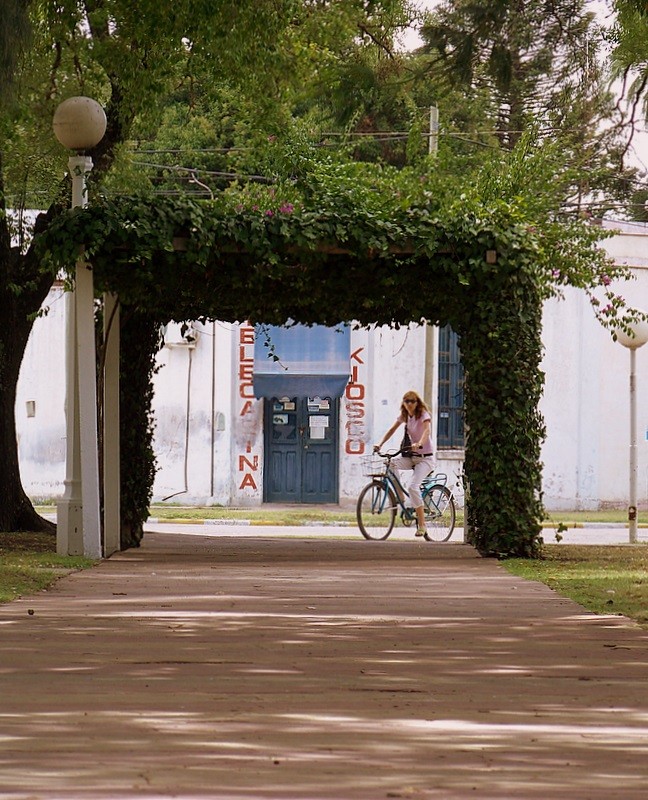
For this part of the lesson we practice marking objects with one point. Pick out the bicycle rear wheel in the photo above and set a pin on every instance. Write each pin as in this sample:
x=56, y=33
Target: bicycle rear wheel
x=439, y=513
x=376, y=510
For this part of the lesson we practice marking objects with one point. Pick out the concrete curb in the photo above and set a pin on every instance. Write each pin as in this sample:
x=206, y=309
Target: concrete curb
x=320, y=524
x=547, y=526
x=593, y=525
x=247, y=522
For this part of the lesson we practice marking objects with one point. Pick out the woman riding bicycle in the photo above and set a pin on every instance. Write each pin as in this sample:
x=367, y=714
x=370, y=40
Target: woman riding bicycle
x=416, y=416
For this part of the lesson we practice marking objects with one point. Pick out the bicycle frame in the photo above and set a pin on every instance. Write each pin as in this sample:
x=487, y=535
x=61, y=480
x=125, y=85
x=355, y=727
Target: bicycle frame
x=381, y=498
x=387, y=482
x=393, y=481
x=390, y=480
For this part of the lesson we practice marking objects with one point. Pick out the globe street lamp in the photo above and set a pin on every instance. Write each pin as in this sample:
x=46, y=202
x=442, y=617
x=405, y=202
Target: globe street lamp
x=633, y=338
x=79, y=125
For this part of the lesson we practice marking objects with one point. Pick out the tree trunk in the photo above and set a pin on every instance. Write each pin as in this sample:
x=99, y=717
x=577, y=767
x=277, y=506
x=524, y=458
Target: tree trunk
x=16, y=510
x=24, y=286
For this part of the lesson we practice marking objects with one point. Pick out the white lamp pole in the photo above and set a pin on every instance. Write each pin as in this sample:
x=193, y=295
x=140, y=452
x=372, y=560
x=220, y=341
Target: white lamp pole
x=633, y=340
x=79, y=124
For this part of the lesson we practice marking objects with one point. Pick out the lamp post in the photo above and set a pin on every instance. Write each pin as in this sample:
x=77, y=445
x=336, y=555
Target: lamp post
x=79, y=125
x=634, y=338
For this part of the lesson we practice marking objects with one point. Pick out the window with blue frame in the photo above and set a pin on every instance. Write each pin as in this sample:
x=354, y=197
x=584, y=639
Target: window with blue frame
x=450, y=423
x=301, y=360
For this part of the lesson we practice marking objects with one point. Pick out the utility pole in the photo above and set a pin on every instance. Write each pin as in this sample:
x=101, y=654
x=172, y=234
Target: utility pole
x=433, y=136
x=430, y=381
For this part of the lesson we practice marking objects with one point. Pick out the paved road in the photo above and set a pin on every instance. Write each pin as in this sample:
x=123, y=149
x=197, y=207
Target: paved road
x=592, y=534
x=588, y=533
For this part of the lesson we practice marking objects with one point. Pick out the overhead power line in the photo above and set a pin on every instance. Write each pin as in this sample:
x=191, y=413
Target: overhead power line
x=189, y=172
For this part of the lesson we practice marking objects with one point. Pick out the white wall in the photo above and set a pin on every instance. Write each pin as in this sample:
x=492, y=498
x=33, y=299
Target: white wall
x=384, y=364
x=393, y=363
x=41, y=438
x=586, y=398
x=220, y=451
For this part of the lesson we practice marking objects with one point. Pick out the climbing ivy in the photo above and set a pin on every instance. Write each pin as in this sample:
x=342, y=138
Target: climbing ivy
x=501, y=351
x=374, y=245
x=139, y=339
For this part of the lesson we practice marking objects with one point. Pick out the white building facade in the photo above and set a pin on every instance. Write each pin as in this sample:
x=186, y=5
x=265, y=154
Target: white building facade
x=218, y=444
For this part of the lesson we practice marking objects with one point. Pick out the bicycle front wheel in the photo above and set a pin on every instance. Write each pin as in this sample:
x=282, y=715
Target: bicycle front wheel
x=376, y=510
x=439, y=513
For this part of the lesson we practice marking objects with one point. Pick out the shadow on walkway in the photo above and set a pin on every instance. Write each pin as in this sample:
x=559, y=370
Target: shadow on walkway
x=218, y=667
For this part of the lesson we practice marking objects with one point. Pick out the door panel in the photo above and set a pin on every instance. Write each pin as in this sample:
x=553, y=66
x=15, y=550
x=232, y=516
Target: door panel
x=301, y=438
x=319, y=470
x=281, y=476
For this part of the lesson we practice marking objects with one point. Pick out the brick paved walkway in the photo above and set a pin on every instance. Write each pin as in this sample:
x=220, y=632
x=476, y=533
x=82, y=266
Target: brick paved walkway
x=213, y=666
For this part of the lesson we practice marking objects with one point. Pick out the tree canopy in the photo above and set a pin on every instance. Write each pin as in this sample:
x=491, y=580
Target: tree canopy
x=489, y=251
x=132, y=58
x=231, y=101
x=629, y=36
x=539, y=65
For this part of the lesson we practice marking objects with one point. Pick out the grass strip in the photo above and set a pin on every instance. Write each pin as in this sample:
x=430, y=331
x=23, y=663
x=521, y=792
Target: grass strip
x=29, y=563
x=610, y=579
x=316, y=514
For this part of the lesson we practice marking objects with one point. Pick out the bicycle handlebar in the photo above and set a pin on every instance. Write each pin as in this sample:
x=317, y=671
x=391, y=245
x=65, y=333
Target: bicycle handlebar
x=397, y=453
x=387, y=455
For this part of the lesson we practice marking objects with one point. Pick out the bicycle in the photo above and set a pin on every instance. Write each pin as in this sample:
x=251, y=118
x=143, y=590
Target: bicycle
x=380, y=500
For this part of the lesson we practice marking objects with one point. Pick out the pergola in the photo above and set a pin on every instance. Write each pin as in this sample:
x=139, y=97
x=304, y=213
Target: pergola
x=339, y=255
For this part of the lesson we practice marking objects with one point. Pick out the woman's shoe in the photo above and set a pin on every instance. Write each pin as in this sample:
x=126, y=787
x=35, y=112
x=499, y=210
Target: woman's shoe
x=420, y=532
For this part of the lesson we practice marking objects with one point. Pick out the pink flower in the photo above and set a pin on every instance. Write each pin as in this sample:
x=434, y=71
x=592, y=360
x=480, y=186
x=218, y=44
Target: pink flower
x=287, y=208
x=606, y=280
x=269, y=213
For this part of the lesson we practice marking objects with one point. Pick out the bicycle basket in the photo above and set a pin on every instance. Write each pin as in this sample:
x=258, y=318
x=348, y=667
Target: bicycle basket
x=373, y=466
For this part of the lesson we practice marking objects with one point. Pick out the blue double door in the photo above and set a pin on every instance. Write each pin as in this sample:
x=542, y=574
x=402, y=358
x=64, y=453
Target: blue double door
x=301, y=450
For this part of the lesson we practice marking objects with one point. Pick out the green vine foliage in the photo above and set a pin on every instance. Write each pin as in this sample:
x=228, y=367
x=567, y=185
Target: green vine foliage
x=374, y=245
x=139, y=337
x=501, y=350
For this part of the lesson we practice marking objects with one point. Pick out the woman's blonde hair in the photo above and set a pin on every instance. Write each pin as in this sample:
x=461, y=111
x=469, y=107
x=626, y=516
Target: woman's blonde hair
x=419, y=408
